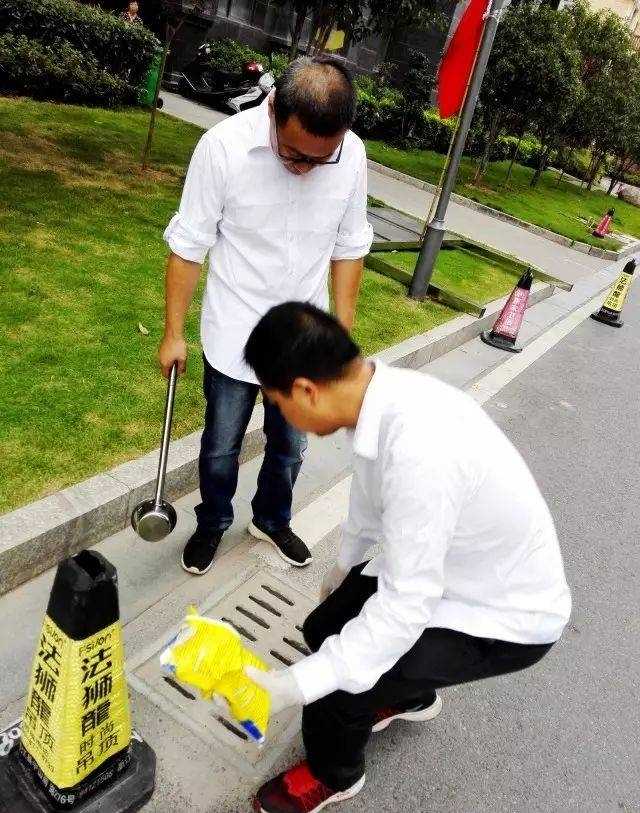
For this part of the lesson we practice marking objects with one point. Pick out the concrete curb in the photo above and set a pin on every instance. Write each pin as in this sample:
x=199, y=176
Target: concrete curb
x=36, y=536
x=583, y=248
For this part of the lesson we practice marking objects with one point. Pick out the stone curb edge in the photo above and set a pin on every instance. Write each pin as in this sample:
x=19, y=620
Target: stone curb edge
x=36, y=536
x=583, y=248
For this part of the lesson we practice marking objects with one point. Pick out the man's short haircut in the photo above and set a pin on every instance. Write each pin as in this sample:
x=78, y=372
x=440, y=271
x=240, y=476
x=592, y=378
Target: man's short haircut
x=319, y=91
x=298, y=340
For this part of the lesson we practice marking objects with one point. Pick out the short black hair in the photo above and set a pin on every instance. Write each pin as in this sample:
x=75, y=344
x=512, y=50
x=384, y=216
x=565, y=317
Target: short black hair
x=298, y=340
x=319, y=91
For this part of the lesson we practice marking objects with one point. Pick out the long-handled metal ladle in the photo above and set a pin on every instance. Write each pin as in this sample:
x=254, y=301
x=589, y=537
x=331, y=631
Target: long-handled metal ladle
x=154, y=519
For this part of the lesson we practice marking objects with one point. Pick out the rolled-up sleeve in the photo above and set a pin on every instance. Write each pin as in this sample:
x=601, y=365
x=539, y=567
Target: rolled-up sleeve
x=192, y=231
x=355, y=234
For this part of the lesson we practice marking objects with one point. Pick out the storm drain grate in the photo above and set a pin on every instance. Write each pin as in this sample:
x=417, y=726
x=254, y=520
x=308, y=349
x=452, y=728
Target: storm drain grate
x=268, y=614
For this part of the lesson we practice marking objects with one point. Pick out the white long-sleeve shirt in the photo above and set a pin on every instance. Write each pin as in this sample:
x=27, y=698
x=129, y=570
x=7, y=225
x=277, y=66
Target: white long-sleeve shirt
x=270, y=234
x=468, y=542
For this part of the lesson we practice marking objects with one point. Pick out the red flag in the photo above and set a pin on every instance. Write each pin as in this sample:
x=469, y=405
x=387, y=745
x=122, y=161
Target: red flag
x=457, y=61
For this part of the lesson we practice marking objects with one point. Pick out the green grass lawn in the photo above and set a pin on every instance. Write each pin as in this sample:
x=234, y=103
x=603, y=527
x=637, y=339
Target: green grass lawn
x=463, y=273
x=81, y=265
x=558, y=208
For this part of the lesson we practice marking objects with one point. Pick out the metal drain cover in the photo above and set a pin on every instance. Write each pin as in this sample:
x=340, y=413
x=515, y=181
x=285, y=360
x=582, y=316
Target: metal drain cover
x=268, y=614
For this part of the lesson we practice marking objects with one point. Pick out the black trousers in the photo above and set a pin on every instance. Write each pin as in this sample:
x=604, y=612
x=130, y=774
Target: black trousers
x=336, y=728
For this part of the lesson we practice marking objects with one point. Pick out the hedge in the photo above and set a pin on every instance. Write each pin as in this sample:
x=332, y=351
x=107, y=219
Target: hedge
x=230, y=55
x=125, y=51
x=379, y=111
x=59, y=71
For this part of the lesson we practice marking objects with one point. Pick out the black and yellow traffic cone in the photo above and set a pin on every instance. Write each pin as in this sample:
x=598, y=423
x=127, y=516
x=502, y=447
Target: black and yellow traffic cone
x=504, y=333
x=611, y=310
x=74, y=747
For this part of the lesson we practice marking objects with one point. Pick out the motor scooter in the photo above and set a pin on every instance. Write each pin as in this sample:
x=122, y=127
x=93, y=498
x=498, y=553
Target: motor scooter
x=200, y=81
x=254, y=96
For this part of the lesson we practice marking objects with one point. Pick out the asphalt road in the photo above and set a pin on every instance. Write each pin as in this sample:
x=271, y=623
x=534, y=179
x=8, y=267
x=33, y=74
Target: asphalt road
x=562, y=736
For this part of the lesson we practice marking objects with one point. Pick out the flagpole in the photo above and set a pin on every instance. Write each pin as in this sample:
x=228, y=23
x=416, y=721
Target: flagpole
x=435, y=230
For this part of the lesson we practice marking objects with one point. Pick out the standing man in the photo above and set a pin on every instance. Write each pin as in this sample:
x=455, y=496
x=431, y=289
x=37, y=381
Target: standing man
x=469, y=583
x=277, y=197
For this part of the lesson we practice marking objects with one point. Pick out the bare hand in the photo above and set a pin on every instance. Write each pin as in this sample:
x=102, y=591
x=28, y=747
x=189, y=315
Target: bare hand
x=172, y=350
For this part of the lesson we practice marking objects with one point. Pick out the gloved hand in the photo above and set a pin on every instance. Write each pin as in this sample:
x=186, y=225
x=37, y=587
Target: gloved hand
x=332, y=580
x=282, y=687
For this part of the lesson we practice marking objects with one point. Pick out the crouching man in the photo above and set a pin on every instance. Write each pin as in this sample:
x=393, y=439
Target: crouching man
x=469, y=582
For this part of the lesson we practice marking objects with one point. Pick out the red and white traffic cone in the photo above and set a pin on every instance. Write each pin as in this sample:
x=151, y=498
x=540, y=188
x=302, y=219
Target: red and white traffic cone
x=504, y=333
x=604, y=226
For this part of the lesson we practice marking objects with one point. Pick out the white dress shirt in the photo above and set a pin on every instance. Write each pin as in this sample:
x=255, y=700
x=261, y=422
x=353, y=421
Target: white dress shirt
x=270, y=234
x=468, y=542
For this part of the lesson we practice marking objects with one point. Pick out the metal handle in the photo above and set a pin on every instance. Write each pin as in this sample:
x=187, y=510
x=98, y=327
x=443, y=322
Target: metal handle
x=166, y=435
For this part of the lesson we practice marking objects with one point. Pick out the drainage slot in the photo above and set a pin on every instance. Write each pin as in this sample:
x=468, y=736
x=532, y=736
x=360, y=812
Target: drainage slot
x=259, y=621
x=299, y=628
x=280, y=657
x=240, y=734
x=266, y=606
x=276, y=594
x=179, y=688
x=301, y=648
x=241, y=630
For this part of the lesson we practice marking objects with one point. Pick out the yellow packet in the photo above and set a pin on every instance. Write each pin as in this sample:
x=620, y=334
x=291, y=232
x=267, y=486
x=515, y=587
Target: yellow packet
x=210, y=656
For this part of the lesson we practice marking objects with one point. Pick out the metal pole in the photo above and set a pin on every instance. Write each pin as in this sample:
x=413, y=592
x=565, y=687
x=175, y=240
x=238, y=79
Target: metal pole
x=434, y=234
x=166, y=435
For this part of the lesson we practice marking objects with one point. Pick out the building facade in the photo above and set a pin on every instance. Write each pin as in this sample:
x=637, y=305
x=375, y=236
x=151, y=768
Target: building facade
x=265, y=25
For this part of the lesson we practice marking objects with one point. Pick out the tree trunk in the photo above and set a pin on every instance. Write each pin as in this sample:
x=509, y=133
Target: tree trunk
x=594, y=172
x=564, y=165
x=296, y=33
x=624, y=165
x=154, y=105
x=491, y=140
x=323, y=38
x=513, y=160
x=541, y=165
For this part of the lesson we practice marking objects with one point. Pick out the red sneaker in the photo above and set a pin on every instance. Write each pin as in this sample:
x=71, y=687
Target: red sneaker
x=417, y=714
x=298, y=791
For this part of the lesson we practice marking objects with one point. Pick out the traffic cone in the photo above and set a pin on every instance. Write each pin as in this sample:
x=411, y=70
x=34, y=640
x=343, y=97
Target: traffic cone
x=609, y=313
x=604, y=226
x=504, y=333
x=74, y=747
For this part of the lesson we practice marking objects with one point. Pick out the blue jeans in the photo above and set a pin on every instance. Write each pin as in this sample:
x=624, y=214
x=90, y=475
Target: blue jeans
x=229, y=407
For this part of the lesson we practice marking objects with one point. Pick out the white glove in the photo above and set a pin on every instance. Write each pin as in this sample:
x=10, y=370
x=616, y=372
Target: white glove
x=280, y=683
x=332, y=580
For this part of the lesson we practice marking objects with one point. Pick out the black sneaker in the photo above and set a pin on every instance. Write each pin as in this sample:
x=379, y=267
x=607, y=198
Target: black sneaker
x=289, y=546
x=198, y=553
x=417, y=714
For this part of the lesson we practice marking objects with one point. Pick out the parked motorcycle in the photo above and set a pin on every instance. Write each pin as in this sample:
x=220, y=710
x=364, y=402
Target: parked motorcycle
x=254, y=96
x=213, y=86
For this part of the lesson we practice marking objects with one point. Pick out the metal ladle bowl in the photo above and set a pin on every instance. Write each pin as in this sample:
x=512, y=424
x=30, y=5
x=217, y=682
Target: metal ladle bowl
x=154, y=519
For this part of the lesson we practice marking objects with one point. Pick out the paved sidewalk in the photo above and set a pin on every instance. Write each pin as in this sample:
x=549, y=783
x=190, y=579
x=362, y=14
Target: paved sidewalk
x=198, y=768
x=181, y=108
x=566, y=263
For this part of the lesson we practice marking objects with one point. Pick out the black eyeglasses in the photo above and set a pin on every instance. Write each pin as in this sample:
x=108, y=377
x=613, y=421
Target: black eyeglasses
x=308, y=160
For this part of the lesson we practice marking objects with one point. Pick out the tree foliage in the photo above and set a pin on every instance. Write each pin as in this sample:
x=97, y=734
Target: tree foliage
x=532, y=80
x=567, y=77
